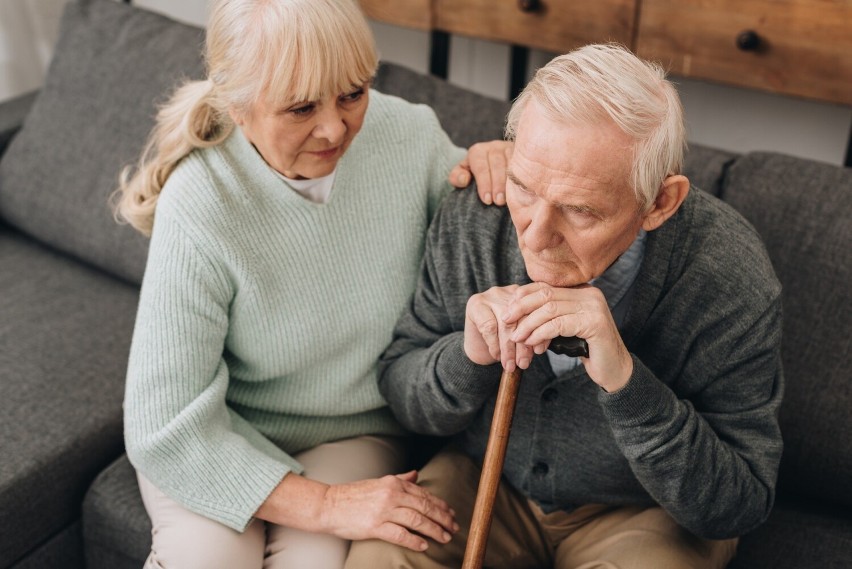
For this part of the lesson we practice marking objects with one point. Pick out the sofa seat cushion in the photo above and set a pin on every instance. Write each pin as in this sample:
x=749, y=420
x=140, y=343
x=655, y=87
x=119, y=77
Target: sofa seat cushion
x=467, y=117
x=803, y=209
x=65, y=334
x=798, y=535
x=111, y=67
x=116, y=526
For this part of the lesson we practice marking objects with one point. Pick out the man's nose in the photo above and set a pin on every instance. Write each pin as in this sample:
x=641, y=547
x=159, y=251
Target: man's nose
x=543, y=230
x=330, y=125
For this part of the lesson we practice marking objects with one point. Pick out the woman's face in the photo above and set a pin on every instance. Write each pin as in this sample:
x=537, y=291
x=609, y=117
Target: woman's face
x=305, y=139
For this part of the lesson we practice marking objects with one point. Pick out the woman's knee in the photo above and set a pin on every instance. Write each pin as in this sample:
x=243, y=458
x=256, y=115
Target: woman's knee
x=212, y=546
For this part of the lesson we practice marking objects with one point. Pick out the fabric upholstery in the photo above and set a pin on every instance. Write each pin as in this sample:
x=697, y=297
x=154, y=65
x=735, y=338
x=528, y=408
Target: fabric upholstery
x=466, y=116
x=705, y=167
x=112, y=66
x=65, y=334
x=116, y=525
x=798, y=535
x=803, y=210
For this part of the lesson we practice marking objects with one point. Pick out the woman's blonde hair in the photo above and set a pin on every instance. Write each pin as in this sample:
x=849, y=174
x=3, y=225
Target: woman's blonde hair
x=281, y=50
x=603, y=81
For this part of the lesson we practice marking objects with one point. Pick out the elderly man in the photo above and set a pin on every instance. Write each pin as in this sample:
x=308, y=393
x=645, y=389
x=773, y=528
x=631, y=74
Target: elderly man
x=662, y=446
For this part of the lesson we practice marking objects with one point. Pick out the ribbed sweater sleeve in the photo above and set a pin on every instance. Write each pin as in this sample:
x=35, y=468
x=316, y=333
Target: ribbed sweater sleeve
x=179, y=375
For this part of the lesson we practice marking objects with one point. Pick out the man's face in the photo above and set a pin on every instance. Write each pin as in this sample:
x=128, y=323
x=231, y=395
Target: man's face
x=569, y=194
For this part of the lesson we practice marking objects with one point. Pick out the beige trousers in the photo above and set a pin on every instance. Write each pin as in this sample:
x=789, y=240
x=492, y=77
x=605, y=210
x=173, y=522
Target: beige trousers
x=184, y=540
x=524, y=537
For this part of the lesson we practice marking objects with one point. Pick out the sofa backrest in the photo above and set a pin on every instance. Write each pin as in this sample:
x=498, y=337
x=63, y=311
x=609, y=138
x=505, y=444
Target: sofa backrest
x=803, y=211
x=112, y=65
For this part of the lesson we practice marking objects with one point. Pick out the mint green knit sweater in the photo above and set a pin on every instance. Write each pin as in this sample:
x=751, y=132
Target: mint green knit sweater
x=262, y=314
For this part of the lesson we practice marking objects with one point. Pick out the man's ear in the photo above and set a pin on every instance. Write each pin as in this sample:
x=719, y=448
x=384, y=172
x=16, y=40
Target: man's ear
x=672, y=193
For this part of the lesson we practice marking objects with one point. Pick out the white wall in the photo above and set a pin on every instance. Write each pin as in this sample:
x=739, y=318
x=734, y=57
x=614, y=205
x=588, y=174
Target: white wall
x=28, y=31
x=720, y=116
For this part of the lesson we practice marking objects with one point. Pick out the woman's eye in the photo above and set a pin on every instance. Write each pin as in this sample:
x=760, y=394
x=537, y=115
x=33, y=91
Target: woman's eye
x=353, y=96
x=302, y=110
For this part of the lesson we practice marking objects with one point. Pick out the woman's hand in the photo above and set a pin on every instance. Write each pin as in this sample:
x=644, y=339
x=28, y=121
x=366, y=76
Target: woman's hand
x=392, y=508
x=487, y=162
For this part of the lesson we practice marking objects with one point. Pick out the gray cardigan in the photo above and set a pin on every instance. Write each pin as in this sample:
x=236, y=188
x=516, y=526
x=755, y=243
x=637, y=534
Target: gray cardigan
x=695, y=430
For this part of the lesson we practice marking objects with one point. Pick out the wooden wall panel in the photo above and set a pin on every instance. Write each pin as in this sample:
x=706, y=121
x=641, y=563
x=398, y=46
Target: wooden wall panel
x=556, y=25
x=804, y=47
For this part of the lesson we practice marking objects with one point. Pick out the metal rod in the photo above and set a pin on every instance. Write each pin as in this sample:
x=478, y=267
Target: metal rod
x=439, y=57
x=518, y=71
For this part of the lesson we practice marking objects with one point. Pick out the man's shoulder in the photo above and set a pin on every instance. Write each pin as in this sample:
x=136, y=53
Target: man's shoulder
x=728, y=247
x=463, y=213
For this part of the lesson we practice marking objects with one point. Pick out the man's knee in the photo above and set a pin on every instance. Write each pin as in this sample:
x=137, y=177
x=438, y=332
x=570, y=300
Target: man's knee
x=377, y=554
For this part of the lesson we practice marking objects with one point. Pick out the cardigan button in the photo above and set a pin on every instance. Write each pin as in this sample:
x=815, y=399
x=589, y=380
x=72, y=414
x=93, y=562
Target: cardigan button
x=550, y=394
x=540, y=468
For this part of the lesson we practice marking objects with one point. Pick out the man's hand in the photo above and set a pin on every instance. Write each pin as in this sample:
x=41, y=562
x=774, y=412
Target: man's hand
x=487, y=336
x=539, y=312
x=487, y=162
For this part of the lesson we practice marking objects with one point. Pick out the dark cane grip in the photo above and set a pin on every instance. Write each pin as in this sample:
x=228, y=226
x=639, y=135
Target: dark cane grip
x=570, y=346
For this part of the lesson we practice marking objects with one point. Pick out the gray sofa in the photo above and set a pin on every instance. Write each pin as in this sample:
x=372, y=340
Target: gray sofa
x=69, y=279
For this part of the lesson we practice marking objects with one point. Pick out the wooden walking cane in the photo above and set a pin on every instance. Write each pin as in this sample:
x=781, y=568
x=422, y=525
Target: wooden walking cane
x=495, y=452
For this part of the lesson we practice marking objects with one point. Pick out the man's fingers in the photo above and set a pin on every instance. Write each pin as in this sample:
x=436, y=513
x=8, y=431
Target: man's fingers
x=485, y=322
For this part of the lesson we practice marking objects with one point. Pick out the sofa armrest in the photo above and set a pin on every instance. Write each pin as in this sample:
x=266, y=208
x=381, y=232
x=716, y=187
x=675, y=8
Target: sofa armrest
x=12, y=114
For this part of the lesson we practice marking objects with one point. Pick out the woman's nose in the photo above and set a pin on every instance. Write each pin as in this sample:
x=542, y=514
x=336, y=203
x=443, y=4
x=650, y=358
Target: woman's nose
x=330, y=125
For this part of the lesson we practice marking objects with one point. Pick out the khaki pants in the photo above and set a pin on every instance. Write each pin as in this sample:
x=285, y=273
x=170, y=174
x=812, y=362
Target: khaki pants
x=524, y=537
x=184, y=540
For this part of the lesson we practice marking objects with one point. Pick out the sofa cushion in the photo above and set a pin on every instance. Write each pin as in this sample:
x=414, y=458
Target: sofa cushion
x=65, y=334
x=115, y=523
x=112, y=65
x=798, y=535
x=705, y=167
x=803, y=209
x=467, y=117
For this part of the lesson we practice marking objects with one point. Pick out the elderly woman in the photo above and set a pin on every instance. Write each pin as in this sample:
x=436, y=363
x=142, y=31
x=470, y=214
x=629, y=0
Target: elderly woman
x=291, y=206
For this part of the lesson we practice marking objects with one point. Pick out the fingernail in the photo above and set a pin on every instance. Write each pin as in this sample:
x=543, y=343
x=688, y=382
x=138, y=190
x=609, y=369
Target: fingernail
x=422, y=546
x=446, y=536
x=524, y=363
x=500, y=197
x=456, y=527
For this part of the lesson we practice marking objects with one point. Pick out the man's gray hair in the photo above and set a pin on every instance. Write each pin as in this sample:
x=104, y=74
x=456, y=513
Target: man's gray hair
x=607, y=82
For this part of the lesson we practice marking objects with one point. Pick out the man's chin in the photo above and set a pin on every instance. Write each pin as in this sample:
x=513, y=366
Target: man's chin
x=554, y=277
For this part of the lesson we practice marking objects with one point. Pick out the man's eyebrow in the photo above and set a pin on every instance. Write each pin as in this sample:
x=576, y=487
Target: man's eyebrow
x=585, y=210
x=514, y=179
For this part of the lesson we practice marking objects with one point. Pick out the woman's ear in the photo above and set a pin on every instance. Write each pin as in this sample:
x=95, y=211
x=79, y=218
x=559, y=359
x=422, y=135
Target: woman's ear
x=238, y=118
x=672, y=193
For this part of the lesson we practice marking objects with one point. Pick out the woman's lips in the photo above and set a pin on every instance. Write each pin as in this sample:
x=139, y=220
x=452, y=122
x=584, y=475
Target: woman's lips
x=330, y=153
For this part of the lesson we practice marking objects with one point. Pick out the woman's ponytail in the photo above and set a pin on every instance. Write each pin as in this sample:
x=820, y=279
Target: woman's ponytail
x=188, y=121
